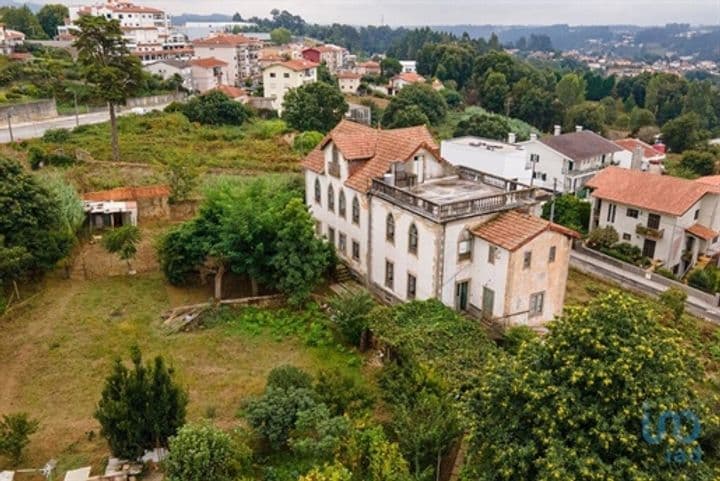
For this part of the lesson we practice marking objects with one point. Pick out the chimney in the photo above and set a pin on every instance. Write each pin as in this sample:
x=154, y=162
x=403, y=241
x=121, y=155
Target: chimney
x=557, y=131
x=578, y=128
x=512, y=138
x=533, y=136
x=636, y=160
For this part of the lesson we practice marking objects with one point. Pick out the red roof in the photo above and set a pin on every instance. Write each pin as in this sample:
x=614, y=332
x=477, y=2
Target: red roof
x=512, y=230
x=632, y=144
x=128, y=193
x=375, y=150
x=211, y=62
x=702, y=232
x=225, y=39
x=710, y=180
x=297, y=65
x=230, y=91
x=348, y=75
x=369, y=64
x=409, y=77
x=657, y=193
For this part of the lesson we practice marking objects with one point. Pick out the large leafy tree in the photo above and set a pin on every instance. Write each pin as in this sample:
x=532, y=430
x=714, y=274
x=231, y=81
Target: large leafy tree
x=108, y=66
x=484, y=125
x=494, y=92
x=34, y=229
x=140, y=408
x=589, y=115
x=572, y=405
x=570, y=211
x=429, y=101
x=314, y=106
x=682, y=133
x=23, y=20
x=52, y=15
x=570, y=90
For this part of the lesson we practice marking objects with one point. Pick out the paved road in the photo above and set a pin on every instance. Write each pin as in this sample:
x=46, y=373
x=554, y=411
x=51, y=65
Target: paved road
x=638, y=283
x=31, y=130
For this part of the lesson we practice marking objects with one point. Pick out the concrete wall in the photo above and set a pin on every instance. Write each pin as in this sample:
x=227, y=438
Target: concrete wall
x=29, y=112
x=154, y=100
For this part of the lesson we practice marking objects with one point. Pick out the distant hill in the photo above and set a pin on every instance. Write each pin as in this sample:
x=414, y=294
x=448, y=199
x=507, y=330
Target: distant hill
x=12, y=3
x=192, y=17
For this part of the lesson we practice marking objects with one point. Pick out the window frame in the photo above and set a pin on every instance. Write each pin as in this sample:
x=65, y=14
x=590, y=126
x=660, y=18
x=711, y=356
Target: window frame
x=413, y=239
x=342, y=204
x=411, y=280
x=492, y=254
x=331, y=198
x=527, y=260
x=389, y=274
x=465, y=239
x=390, y=228
x=355, y=247
x=342, y=242
x=633, y=213
x=355, y=211
x=535, y=309
x=552, y=255
x=318, y=192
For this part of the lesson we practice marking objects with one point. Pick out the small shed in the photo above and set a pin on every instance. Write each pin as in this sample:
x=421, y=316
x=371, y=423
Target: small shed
x=108, y=215
x=149, y=202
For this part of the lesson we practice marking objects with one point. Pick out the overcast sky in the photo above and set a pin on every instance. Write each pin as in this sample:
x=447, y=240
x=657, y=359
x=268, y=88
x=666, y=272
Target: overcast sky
x=433, y=12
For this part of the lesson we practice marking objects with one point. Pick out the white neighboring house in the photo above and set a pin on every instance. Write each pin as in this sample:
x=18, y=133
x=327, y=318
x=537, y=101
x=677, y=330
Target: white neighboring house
x=403, y=79
x=570, y=159
x=411, y=226
x=9, y=39
x=169, y=68
x=209, y=73
x=503, y=159
x=283, y=76
x=638, y=155
x=670, y=219
x=241, y=53
x=408, y=66
x=349, y=82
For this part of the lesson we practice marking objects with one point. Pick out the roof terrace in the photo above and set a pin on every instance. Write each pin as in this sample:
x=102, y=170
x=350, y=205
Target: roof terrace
x=466, y=194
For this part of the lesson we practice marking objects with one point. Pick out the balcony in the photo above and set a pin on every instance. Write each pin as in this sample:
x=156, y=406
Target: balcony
x=334, y=169
x=649, y=232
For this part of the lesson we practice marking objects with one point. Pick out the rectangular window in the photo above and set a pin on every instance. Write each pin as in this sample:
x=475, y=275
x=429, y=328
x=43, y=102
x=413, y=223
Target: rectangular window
x=553, y=253
x=634, y=213
x=272, y=75
x=389, y=274
x=527, y=260
x=355, y=250
x=411, y=286
x=612, y=208
x=627, y=237
x=697, y=214
x=342, y=242
x=492, y=253
x=653, y=221
x=331, y=235
x=537, y=302
x=464, y=250
x=286, y=75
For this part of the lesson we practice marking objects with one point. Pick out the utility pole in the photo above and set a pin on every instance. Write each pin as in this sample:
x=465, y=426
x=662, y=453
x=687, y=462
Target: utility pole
x=552, y=204
x=12, y=138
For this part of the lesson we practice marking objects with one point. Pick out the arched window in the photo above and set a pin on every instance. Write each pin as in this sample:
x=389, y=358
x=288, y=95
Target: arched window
x=356, y=210
x=341, y=204
x=413, y=239
x=465, y=246
x=331, y=198
x=318, y=195
x=390, y=228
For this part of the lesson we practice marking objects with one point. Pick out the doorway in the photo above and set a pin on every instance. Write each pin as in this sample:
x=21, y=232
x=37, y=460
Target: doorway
x=461, y=295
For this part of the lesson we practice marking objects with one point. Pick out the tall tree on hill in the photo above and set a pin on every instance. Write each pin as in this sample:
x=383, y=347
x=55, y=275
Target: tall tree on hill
x=107, y=64
x=23, y=20
x=50, y=16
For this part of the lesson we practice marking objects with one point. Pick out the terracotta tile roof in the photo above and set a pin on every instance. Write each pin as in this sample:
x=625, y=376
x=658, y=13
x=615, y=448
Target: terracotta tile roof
x=709, y=180
x=369, y=64
x=409, y=77
x=512, y=230
x=657, y=193
x=128, y=193
x=632, y=144
x=297, y=65
x=699, y=230
x=224, y=39
x=230, y=91
x=348, y=75
x=211, y=62
x=375, y=149
x=580, y=145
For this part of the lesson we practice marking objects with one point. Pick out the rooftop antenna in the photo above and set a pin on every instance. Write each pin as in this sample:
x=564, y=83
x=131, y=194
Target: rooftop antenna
x=382, y=20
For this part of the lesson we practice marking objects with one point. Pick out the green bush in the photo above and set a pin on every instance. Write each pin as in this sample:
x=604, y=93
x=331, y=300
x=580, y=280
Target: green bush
x=307, y=141
x=56, y=136
x=286, y=377
x=350, y=315
x=15, y=431
x=602, y=237
x=273, y=415
x=342, y=394
x=516, y=336
x=703, y=279
x=624, y=252
x=674, y=299
x=667, y=273
x=39, y=158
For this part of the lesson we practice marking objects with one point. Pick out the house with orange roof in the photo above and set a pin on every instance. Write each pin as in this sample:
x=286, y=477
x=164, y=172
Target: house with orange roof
x=10, y=39
x=331, y=55
x=125, y=205
x=349, y=82
x=639, y=155
x=673, y=221
x=280, y=77
x=209, y=73
x=240, y=52
x=403, y=79
x=368, y=68
x=411, y=226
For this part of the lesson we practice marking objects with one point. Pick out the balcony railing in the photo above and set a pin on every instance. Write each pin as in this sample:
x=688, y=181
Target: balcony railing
x=453, y=210
x=649, y=232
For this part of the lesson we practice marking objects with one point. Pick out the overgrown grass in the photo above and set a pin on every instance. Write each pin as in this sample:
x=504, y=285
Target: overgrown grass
x=157, y=138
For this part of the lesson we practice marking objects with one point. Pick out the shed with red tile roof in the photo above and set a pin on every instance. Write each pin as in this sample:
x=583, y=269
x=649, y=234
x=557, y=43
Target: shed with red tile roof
x=512, y=230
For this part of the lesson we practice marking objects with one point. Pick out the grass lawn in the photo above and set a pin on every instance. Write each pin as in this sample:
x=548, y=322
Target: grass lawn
x=57, y=350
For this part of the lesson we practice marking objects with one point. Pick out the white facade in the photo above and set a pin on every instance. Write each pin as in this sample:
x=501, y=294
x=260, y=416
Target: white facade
x=167, y=69
x=408, y=66
x=506, y=160
x=239, y=52
x=208, y=75
x=349, y=83
x=278, y=79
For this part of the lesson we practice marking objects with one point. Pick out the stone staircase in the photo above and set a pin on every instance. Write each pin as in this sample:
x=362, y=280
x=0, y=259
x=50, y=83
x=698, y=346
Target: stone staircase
x=342, y=274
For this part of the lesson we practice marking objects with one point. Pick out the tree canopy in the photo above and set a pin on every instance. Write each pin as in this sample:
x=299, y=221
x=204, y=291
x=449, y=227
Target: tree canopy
x=314, y=106
x=214, y=108
x=51, y=16
x=418, y=98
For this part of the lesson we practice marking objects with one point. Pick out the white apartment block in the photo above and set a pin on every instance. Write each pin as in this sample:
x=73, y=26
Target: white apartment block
x=503, y=159
x=567, y=161
x=241, y=53
x=411, y=226
x=672, y=220
x=279, y=78
x=349, y=82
